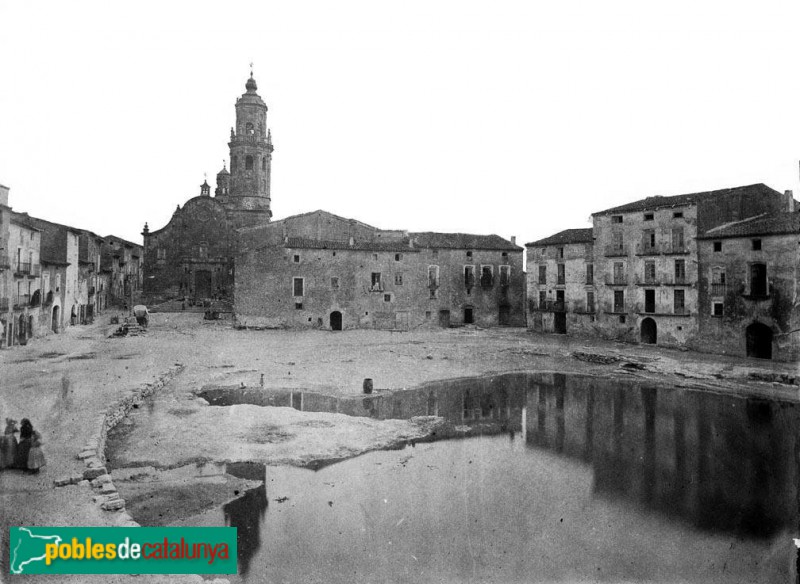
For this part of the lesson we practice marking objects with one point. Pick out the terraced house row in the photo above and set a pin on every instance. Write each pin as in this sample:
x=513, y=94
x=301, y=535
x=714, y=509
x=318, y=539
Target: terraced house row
x=53, y=276
x=715, y=271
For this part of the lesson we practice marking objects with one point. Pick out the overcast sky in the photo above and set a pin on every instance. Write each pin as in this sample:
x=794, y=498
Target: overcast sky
x=515, y=118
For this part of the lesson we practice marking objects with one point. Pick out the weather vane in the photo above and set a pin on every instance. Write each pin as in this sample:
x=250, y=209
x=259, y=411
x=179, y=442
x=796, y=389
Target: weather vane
x=251, y=68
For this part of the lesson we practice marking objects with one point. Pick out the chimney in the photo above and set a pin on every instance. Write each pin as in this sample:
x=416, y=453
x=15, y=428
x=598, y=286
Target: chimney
x=4, y=195
x=514, y=239
x=789, y=201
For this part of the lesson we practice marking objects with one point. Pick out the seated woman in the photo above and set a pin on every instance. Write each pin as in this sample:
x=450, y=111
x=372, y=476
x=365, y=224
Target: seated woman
x=24, y=446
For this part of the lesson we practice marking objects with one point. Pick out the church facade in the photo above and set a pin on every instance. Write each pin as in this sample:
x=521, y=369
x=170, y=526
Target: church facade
x=193, y=255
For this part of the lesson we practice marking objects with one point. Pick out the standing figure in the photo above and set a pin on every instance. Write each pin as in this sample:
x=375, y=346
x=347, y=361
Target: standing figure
x=36, y=456
x=141, y=314
x=24, y=446
x=8, y=445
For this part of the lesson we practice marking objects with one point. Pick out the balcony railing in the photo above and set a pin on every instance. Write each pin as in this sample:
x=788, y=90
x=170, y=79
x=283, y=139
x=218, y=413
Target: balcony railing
x=648, y=280
x=678, y=281
x=552, y=306
x=718, y=289
x=4, y=304
x=616, y=280
x=23, y=268
x=645, y=249
x=675, y=249
x=22, y=301
x=560, y=281
x=615, y=250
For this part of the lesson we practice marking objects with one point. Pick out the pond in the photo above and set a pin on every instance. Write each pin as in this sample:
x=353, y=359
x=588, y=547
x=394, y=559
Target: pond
x=561, y=478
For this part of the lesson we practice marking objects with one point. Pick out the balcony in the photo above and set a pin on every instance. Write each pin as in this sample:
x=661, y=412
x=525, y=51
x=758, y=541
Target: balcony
x=5, y=263
x=678, y=281
x=48, y=300
x=648, y=249
x=561, y=281
x=22, y=301
x=616, y=280
x=4, y=304
x=615, y=250
x=22, y=269
x=718, y=289
x=552, y=306
x=91, y=291
x=676, y=249
x=648, y=280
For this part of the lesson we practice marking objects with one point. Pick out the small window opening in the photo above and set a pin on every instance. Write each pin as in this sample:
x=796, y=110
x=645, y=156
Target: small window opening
x=616, y=218
x=717, y=246
x=648, y=216
x=296, y=259
x=756, y=244
x=677, y=215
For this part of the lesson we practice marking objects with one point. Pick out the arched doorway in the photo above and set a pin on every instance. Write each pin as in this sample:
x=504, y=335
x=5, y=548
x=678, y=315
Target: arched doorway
x=758, y=337
x=55, y=319
x=649, y=331
x=336, y=320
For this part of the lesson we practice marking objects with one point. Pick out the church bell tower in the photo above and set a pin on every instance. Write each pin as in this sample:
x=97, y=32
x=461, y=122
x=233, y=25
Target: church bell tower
x=251, y=159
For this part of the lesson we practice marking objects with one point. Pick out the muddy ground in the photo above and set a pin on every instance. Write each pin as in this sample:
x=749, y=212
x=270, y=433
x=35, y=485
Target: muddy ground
x=63, y=383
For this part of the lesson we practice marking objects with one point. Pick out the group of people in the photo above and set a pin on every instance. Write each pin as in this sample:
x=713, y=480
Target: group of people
x=25, y=454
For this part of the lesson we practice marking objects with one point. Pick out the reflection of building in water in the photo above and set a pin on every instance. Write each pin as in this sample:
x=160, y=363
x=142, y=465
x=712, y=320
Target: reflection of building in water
x=247, y=512
x=723, y=462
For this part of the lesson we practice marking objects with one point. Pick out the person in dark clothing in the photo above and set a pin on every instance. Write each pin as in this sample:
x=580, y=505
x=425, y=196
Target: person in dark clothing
x=24, y=445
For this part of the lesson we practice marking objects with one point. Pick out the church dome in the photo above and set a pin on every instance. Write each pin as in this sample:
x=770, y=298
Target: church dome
x=251, y=84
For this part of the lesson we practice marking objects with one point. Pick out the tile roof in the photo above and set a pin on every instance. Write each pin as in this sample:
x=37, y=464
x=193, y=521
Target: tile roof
x=462, y=241
x=305, y=243
x=566, y=236
x=653, y=203
x=765, y=224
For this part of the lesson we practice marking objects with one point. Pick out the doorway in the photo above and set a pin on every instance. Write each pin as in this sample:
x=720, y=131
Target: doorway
x=560, y=323
x=649, y=331
x=202, y=284
x=54, y=321
x=336, y=320
x=469, y=315
x=758, y=337
x=504, y=318
x=650, y=301
x=444, y=318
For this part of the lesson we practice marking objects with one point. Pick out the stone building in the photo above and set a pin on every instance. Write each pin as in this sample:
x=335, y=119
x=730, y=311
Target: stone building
x=121, y=267
x=24, y=243
x=5, y=266
x=318, y=270
x=192, y=256
x=59, y=256
x=646, y=259
x=747, y=288
x=91, y=281
x=561, y=289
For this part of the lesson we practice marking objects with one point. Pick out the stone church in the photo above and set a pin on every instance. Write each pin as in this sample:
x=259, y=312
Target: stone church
x=193, y=255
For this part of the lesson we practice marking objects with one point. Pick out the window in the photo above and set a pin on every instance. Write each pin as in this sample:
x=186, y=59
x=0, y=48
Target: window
x=375, y=282
x=398, y=279
x=505, y=275
x=616, y=218
x=650, y=272
x=590, y=301
x=717, y=246
x=433, y=276
x=680, y=271
x=542, y=299
x=375, y=257
x=297, y=286
x=298, y=306
x=249, y=130
x=617, y=242
x=649, y=240
x=677, y=215
x=718, y=281
x=758, y=279
x=296, y=259
x=677, y=239
x=469, y=276
x=560, y=275
x=619, y=273
x=435, y=253
x=264, y=163
x=387, y=297
x=58, y=282
x=427, y=315
x=504, y=255
x=756, y=244
x=434, y=293
x=487, y=277
x=234, y=162
x=648, y=216
x=561, y=252
x=542, y=275
x=248, y=163
x=621, y=319
x=398, y=257
x=590, y=273
x=334, y=282
x=679, y=301
x=469, y=254
x=619, y=301
x=718, y=309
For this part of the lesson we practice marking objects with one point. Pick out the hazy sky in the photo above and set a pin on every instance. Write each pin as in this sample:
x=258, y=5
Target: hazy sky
x=515, y=118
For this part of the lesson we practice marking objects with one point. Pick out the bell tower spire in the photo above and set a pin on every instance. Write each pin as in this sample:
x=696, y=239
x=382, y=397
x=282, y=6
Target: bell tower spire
x=250, y=156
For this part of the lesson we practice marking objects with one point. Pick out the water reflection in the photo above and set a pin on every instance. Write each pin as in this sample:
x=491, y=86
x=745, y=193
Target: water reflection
x=721, y=462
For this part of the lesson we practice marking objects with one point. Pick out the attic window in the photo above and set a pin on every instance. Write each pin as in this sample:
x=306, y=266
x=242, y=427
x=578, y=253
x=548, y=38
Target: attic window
x=398, y=257
x=616, y=218
x=717, y=246
x=677, y=215
x=756, y=244
x=296, y=259
x=648, y=216
x=469, y=254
